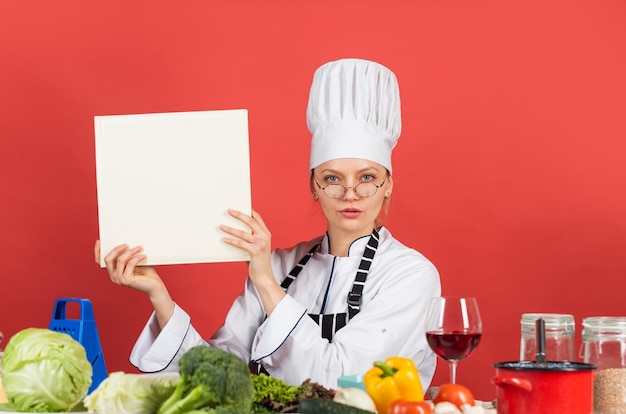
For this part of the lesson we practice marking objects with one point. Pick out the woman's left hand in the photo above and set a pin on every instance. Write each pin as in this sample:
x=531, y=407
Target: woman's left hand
x=258, y=243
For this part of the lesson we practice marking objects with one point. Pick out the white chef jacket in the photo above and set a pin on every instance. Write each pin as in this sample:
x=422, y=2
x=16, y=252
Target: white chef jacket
x=289, y=344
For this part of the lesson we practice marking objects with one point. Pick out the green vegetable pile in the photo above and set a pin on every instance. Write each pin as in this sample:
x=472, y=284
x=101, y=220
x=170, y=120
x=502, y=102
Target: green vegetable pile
x=273, y=395
x=48, y=371
x=211, y=380
x=45, y=371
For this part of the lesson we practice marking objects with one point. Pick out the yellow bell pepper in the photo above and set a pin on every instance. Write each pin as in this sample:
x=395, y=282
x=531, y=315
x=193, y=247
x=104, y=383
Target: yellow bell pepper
x=392, y=380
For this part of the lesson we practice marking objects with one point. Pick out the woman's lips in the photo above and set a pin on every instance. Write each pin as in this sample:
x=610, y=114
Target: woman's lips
x=350, y=212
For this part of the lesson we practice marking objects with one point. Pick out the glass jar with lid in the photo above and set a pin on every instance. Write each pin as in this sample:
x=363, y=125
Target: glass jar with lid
x=604, y=345
x=559, y=335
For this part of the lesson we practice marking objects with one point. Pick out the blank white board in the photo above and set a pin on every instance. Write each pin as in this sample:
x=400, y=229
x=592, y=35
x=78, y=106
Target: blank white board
x=166, y=180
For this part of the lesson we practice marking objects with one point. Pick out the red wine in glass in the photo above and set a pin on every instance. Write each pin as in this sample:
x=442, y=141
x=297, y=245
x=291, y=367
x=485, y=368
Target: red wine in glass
x=453, y=329
x=455, y=345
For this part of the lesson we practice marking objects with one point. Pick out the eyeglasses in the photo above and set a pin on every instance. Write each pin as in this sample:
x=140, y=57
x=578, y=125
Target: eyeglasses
x=363, y=190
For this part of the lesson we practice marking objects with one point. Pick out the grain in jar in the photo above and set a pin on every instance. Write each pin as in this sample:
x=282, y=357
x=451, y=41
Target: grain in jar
x=604, y=345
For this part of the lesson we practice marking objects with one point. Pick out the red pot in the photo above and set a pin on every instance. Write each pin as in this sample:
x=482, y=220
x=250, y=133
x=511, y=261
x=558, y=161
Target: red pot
x=527, y=387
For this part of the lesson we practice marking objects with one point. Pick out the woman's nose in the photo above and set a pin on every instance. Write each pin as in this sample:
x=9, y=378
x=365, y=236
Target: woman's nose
x=350, y=193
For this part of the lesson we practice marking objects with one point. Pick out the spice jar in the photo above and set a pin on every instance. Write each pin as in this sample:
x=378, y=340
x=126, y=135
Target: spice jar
x=604, y=345
x=559, y=336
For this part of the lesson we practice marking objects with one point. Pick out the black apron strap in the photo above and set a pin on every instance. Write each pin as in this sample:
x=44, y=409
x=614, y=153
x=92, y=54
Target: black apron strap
x=328, y=326
x=354, y=297
x=341, y=319
x=296, y=270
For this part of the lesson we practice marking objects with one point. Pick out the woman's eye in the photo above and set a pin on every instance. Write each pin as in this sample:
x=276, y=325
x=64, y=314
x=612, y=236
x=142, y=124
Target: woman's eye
x=367, y=177
x=331, y=179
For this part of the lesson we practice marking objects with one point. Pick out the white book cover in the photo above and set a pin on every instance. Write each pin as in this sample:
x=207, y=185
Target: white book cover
x=166, y=180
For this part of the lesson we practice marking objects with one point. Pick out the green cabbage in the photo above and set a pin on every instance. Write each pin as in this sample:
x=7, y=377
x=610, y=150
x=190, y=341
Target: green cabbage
x=45, y=371
x=122, y=393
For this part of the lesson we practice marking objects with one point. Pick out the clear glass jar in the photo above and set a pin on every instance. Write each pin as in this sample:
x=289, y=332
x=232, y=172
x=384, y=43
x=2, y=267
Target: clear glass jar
x=604, y=345
x=559, y=334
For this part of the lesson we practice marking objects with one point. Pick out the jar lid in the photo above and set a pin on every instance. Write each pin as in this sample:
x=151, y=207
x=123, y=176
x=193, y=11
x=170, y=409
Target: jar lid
x=604, y=326
x=618, y=322
x=552, y=320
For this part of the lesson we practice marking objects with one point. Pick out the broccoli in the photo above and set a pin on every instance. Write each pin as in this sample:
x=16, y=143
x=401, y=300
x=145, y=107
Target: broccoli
x=211, y=381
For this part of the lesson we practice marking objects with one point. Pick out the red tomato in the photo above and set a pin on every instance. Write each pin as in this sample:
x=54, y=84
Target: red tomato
x=454, y=393
x=409, y=407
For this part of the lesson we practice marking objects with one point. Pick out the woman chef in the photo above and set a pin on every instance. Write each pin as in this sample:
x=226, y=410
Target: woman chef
x=326, y=307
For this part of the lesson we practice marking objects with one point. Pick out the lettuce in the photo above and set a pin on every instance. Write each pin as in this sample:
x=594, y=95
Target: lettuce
x=122, y=393
x=45, y=371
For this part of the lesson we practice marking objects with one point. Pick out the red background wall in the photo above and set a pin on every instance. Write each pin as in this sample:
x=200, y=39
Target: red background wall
x=509, y=172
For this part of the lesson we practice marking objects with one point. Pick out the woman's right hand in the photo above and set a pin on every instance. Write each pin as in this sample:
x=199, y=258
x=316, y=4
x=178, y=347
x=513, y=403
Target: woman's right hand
x=124, y=267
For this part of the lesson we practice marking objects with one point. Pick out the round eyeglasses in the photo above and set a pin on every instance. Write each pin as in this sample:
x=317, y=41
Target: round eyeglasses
x=363, y=190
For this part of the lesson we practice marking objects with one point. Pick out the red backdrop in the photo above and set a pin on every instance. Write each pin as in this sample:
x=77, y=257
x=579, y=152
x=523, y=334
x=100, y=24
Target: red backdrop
x=509, y=173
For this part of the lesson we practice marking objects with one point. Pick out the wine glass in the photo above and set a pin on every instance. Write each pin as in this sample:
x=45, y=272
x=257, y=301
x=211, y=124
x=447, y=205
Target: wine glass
x=453, y=329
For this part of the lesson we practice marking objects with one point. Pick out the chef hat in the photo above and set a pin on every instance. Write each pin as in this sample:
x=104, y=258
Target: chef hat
x=353, y=112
